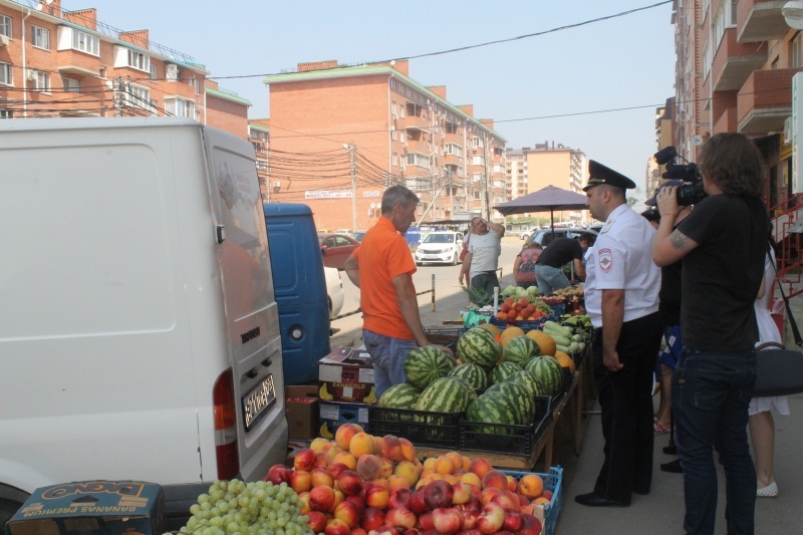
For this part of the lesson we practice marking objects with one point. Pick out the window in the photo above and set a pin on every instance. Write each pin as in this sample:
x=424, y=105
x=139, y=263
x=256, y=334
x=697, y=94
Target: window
x=86, y=42
x=139, y=61
x=478, y=160
x=452, y=148
x=262, y=165
x=420, y=160
x=5, y=26
x=40, y=37
x=5, y=74
x=154, y=72
x=193, y=83
x=70, y=84
x=6, y=114
x=395, y=160
x=41, y=80
x=180, y=107
x=138, y=96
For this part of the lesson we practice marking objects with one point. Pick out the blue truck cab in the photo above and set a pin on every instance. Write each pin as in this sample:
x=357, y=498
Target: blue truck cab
x=300, y=288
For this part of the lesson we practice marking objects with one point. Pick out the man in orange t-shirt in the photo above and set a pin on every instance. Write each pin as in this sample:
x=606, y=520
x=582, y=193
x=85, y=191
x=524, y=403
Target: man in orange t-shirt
x=382, y=267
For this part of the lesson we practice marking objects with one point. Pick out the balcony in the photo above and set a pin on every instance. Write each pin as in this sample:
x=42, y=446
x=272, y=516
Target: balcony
x=726, y=122
x=760, y=20
x=765, y=101
x=734, y=62
x=452, y=159
x=414, y=122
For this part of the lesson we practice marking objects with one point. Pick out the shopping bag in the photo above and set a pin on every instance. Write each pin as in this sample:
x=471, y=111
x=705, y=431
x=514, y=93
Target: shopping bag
x=779, y=371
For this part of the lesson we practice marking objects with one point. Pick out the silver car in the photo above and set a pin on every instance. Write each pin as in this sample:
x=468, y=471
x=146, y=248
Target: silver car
x=439, y=247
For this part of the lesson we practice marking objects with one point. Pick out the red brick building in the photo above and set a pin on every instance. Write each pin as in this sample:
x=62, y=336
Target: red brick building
x=340, y=135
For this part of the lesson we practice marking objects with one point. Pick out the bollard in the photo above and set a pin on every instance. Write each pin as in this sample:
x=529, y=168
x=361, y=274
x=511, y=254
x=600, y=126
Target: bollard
x=433, y=292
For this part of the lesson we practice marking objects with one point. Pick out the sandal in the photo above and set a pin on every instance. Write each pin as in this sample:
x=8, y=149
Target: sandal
x=770, y=491
x=659, y=429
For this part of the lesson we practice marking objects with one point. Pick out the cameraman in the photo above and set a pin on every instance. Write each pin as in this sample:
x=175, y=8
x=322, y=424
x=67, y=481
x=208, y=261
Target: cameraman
x=722, y=243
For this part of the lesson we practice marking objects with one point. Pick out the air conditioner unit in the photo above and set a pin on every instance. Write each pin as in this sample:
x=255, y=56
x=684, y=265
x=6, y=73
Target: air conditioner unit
x=31, y=76
x=4, y=40
x=787, y=131
x=171, y=72
x=277, y=185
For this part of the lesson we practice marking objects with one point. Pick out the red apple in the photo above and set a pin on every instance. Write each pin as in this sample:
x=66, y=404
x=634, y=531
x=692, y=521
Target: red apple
x=278, y=474
x=418, y=503
x=400, y=497
x=437, y=494
x=400, y=518
x=530, y=526
x=512, y=522
x=306, y=460
x=321, y=498
x=371, y=518
x=349, y=482
x=491, y=519
x=348, y=513
x=447, y=520
x=337, y=527
x=317, y=521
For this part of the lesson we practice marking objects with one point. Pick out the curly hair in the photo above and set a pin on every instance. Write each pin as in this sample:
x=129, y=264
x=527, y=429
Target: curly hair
x=734, y=163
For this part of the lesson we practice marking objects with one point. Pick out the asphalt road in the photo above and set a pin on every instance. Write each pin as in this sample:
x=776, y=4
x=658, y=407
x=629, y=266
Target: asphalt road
x=449, y=296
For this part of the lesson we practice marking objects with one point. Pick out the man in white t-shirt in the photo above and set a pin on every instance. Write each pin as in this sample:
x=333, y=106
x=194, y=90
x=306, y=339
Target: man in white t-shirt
x=482, y=259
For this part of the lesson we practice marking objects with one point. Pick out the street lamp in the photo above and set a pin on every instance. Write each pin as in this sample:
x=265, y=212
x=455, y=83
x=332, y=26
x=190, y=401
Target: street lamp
x=793, y=13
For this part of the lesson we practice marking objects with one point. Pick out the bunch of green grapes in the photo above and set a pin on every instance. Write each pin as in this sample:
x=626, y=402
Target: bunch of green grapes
x=540, y=305
x=236, y=508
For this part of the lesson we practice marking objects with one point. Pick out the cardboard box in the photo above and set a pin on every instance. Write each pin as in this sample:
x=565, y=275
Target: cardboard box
x=301, y=407
x=293, y=447
x=333, y=415
x=347, y=375
x=92, y=508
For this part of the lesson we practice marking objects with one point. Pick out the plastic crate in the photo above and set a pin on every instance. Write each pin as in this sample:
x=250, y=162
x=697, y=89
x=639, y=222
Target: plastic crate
x=433, y=429
x=553, y=481
x=507, y=439
x=444, y=337
x=523, y=325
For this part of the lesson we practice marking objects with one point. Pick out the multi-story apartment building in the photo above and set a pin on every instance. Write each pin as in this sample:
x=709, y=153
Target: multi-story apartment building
x=340, y=135
x=259, y=135
x=735, y=63
x=664, y=137
x=547, y=164
x=56, y=63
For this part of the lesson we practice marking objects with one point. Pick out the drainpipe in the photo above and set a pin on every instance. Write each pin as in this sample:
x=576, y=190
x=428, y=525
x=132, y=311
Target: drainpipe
x=24, y=69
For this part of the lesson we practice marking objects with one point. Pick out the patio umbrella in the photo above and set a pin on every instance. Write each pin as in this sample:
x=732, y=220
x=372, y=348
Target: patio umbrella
x=547, y=199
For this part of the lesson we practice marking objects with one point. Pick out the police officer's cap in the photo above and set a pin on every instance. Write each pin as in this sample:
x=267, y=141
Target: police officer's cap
x=600, y=174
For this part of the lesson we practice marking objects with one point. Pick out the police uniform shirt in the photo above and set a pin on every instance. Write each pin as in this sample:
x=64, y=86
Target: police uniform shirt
x=622, y=259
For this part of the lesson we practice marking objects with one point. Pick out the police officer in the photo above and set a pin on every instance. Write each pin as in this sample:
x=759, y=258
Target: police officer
x=621, y=296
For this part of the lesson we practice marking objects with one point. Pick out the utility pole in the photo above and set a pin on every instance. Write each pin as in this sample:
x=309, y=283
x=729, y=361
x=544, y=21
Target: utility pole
x=119, y=87
x=352, y=150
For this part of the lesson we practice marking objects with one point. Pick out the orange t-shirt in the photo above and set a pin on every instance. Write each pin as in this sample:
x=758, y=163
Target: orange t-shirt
x=383, y=255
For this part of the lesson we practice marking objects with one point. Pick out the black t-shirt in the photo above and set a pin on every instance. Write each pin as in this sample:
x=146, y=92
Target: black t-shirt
x=561, y=252
x=669, y=308
x=722, y=275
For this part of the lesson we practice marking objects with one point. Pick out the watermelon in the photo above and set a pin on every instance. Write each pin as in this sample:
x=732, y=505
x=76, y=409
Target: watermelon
x=473, y=374
x=519, y=350
x=530, y=381
x=446, y=394
x=549, y=373
x=502, y=371
x=493, y=408
x=521, y=397
x=425, y=364
x=401, y=396
x=479, y=346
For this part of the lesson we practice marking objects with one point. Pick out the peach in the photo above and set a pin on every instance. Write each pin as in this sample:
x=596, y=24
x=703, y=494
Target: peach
x=387, y=468
x=491, y=519
x=438, y=494
x=456, y=458
x=480, y=467
x=369, y=467
x=358, y=531
x=425, y=521
x=530, y=525
x=531, y=486
x=390, y=448
x=470, y=519
x=413, y=531
x=349, y=482
x=429, y=463
x=541, y=501
x=400, y=498
x=300, y=481
x=400, y=518
x=345, y=433
x=348, y=513
x=322, y=462
x=512, y=484
x=527, y=509
x=336, y=468
x=523, y=500
x=447, y=520
x=321, y=477
x=278, y=474
x=398, y=482
x=361, y=444
x=305, y=459
x=444, y=465
x=303, y=503
x=417, y=504
x=466, y=463
x=357, y=500
x=320, y=445
x=331, y=453
x=512, y=522
x=378, y=497
x=495, y=479
x=408, y=470
x=347, y=459
x=339, y=498
x=372, y=518
x=489, y=493
x=461, y=493
x=408, y=450
x=321, y=498
x=337, y=527
x=377, y=444
x=547, y=494
x=451, y=479
x=471, y=478
x=506, y=503
x=381, y=483
x=317, y=521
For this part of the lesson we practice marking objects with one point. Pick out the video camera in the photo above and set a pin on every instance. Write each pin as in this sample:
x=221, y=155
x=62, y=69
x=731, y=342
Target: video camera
x=687, y=194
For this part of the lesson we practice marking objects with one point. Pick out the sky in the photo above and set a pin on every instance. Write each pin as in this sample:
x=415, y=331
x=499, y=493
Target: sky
x=559, y=86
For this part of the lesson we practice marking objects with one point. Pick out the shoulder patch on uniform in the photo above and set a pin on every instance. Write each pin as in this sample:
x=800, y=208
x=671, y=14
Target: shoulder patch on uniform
x=605, y=259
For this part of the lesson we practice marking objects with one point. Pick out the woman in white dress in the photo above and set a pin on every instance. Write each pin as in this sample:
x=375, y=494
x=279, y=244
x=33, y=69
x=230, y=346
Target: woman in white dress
x=762, y=425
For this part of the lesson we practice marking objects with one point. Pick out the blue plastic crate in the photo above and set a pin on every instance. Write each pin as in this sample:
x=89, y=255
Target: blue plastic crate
x=553, y=481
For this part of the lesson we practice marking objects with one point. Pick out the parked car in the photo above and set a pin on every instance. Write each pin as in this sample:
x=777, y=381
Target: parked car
x=334, y=290
x=358, y=235
x=336, y=248
x=524, y=235
x=596, y=227
x=439, y=247
x=546, y=236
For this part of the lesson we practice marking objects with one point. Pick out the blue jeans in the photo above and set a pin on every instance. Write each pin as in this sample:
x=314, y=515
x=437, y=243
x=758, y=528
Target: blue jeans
x=550, y=279
x=388, y=356
x=710, y=395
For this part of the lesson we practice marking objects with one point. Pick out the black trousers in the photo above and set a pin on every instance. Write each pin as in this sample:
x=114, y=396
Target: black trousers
x=626, y=400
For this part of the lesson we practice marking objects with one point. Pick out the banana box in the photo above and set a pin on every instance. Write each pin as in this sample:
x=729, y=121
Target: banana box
x=346, y=375
x=333, y=415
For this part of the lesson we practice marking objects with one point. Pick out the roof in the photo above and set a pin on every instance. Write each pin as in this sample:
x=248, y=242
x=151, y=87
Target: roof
x=228, y=96
x=260, y=128
x=373, y=70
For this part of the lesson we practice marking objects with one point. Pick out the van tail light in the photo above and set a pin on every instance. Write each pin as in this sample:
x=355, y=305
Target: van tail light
x=228, y=459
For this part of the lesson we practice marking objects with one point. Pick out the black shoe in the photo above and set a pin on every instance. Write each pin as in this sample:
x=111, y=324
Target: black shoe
x=670, y=450
x=641, y=492
x=592, y=500
x=672, y=467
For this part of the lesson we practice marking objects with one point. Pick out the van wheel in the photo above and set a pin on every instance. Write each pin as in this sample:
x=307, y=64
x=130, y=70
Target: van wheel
x=7, y=510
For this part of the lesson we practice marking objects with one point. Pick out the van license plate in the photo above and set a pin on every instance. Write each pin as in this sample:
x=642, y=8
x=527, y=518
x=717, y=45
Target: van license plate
x=257, y=401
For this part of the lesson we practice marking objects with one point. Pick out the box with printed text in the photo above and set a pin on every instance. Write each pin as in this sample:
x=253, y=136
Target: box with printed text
x=347, y=375
x=333, y=415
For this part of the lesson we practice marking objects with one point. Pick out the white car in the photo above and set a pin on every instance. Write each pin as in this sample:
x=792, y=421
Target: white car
x=334, y=290
x=439, y=247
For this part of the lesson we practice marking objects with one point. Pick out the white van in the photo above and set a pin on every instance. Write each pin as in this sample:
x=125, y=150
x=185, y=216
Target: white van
x=139, y=334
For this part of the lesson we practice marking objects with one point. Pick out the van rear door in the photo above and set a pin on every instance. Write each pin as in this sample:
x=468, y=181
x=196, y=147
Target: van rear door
x=252, y=319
